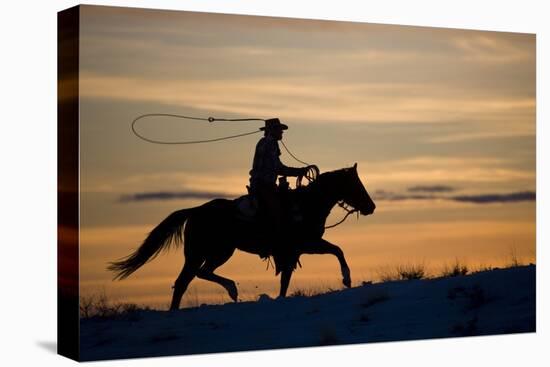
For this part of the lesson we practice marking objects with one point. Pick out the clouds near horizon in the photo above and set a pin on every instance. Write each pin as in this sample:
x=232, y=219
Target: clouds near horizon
x=485, y=198
x=440, y=121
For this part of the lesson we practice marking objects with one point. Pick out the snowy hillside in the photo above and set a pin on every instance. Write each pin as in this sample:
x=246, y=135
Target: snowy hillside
x=490, y=302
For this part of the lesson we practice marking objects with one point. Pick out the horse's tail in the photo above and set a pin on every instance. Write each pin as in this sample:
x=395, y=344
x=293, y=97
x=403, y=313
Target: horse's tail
x=167, y=233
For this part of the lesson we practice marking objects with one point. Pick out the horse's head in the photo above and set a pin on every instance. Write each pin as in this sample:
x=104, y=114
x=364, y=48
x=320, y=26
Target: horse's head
x=354, y=193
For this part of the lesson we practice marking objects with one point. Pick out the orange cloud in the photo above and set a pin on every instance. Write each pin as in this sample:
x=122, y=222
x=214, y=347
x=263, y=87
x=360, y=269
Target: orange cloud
x=309, y=100
x=492, y=49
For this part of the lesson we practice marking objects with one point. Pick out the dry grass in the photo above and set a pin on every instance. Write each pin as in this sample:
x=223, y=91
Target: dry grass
x=481, y=268
x=403, y=272
x=191, y=298
x=513, y=259
x=310, y=292
x=99, y=305
x=456, y=269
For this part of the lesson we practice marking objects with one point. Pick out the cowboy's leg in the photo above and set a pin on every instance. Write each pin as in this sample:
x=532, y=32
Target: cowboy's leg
x=271, y=218
x=274, y=213
x=265, y=219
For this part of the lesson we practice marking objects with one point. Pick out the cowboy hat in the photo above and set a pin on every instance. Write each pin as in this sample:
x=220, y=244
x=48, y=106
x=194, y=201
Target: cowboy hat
x=273, y=124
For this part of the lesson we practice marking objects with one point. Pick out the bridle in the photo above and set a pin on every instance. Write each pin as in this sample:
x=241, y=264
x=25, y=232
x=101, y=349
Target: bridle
x=349, y=209
x=311, y=175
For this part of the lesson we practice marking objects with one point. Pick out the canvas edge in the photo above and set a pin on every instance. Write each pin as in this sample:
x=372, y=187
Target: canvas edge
x=68, y=27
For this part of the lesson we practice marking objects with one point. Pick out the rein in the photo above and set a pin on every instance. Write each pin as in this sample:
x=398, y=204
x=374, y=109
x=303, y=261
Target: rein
x=349, y=211
x=311, y=174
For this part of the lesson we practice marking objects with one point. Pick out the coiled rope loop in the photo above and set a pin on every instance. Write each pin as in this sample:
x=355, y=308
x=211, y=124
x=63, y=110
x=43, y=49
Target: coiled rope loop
x=186, y=142
x=311, y=175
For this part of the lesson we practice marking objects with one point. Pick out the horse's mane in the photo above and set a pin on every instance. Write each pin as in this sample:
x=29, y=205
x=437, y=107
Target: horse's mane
x=334, y=173
x=328, y=178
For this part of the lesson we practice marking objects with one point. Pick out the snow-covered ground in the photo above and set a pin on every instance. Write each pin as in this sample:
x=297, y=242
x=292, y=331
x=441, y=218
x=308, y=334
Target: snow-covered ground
x=490, y=302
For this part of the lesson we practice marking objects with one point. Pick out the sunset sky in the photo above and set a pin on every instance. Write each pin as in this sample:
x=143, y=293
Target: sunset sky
x=440, y=121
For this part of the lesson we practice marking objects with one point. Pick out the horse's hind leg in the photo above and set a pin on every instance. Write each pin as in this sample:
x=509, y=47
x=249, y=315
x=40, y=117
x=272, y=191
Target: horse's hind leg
x=206, y=272
x=187, y=274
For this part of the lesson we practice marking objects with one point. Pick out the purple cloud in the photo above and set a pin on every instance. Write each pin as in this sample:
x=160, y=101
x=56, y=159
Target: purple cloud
x=173, y=195
x=435, y=188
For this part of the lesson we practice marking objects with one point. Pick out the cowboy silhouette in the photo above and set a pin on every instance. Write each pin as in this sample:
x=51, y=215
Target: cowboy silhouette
x=266, y=167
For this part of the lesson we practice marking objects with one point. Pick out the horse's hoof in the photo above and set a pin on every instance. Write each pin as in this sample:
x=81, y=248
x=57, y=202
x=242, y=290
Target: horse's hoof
x=234, y=294
x=346, y=277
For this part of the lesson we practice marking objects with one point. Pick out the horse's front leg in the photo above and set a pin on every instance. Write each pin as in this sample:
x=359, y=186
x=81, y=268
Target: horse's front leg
x=285, y=281
x=325, y=247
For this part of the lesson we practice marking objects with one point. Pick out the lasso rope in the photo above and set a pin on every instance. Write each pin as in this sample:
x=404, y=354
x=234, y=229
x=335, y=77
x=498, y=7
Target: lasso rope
x=310, y=176
x=293, y=156
x=209, y=119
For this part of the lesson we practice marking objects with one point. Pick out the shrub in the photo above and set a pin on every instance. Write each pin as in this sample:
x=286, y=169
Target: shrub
x=411, y=271
x=386, y=274
x=455, y=270
x=403, y=272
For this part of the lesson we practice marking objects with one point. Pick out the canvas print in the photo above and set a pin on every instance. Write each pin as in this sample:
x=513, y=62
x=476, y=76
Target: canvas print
x=235, y=183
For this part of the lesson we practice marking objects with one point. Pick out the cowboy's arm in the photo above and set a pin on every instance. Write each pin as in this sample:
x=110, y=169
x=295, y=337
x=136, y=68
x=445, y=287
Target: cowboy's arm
x=283, y=170
x=289, y=171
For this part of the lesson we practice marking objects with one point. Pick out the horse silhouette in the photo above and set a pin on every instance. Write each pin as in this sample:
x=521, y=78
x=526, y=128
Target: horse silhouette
x=215, y=229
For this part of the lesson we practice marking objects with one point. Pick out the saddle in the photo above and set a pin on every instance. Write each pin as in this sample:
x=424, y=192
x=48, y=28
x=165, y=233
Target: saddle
x=248, y=208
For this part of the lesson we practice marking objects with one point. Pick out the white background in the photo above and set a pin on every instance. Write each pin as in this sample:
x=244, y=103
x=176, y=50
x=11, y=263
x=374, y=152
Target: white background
x=28, y=182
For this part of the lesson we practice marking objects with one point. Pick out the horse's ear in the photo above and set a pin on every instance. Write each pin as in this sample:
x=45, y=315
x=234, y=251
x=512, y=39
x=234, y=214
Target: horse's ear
x=355, y=166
